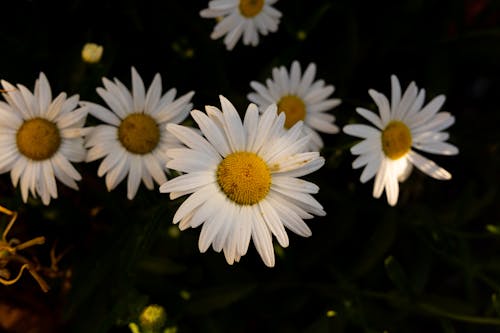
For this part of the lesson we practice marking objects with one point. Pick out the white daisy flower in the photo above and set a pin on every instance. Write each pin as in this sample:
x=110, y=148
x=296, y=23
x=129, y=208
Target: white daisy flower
x=300, y=99
x=242, y=177
x=39, y=137
x=242, y=17
x=134, y=139
x=386, y=150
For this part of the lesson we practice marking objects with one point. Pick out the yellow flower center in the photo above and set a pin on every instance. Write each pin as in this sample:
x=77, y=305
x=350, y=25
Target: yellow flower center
x=38, y=139
x=139, y=133
x=294, y=109
x=250, y=8
x=396, y=140
x=244, y=177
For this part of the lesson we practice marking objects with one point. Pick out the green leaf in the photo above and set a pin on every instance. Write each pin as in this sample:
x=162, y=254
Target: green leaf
x=398, y=276
x=208, y=300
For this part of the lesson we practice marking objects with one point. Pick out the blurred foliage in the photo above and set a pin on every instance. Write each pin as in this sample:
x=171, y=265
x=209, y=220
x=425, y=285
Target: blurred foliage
x=430, y=264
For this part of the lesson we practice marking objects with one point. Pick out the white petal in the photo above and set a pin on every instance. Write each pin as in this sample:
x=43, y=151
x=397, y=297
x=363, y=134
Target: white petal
x=361, y=131
x=262, y=238
x=234, y=35
x=134, y=176
x=138, y=94
x=45, y=93
x=102, y=113
x=428, y=112
x=442, y=148
x=428, y=167
x=60, y=167
x=226, y=226
x=214, y=203
x=380, y=179
x=406, y=102
x=383, y=105
x=209, y=231
x=441, y=121
x=113, y=157
x=117, y=174
x=295, y=184
x=306, y=168
x=304, y=200
x=273, y=222
x=49, y=178
x=188, y=181
x=234, y=127
x=391, y=185
x=307, y=79
x=154, y=168
x=322, y=122
x=250, y=123
x=370, y=116
x=265, y=123
x=372, y=167
x=245, y=225
x=395, y=93
x=295, y=73
x=212, y=132
x=289, y=217
x=366, y=146
x=193, y=201
x=121, y=100
x=191, y=138
x=153, y=95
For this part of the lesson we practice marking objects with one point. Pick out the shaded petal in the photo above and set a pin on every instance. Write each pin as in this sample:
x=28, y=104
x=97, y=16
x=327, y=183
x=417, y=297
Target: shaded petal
x=138, y=93
x=233, y=126
x=262, y=238
x=428, y=167
x=188, y=181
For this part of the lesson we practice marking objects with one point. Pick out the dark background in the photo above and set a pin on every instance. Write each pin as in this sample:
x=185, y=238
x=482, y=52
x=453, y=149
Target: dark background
x=430, y=264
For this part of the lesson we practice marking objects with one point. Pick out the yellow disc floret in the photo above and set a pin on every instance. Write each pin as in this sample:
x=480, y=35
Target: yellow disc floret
x=294, y=109
x=396, y=140
x=244, y=177
x=139, y=133
x=38, y=139
x=251, y=8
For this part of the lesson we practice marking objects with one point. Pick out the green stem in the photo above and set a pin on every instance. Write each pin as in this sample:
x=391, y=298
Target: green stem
x=470, y=319
x=432, y=309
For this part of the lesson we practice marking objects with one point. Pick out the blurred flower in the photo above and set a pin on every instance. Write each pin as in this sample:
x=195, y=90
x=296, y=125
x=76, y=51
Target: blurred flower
x=386, y=150
x=243, y=180
x=300, y=99
x=152, y=317
x=135, y=140
x=39, y=138
x=92, y=53
x=242, y=17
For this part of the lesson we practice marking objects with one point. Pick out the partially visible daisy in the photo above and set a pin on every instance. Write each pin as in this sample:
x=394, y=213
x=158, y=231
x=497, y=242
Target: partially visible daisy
x=386, y=150
x=242, y=180
x=242, y=17
x=134, y=139
x=39, y=137
x=300, y=99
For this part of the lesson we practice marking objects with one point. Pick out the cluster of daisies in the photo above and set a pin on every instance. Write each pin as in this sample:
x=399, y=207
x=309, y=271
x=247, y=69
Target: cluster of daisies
x=239, y=170
x=242, y=175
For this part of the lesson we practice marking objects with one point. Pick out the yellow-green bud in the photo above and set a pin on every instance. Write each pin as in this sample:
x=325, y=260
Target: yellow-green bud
x=92, y=53
x=153, y=317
